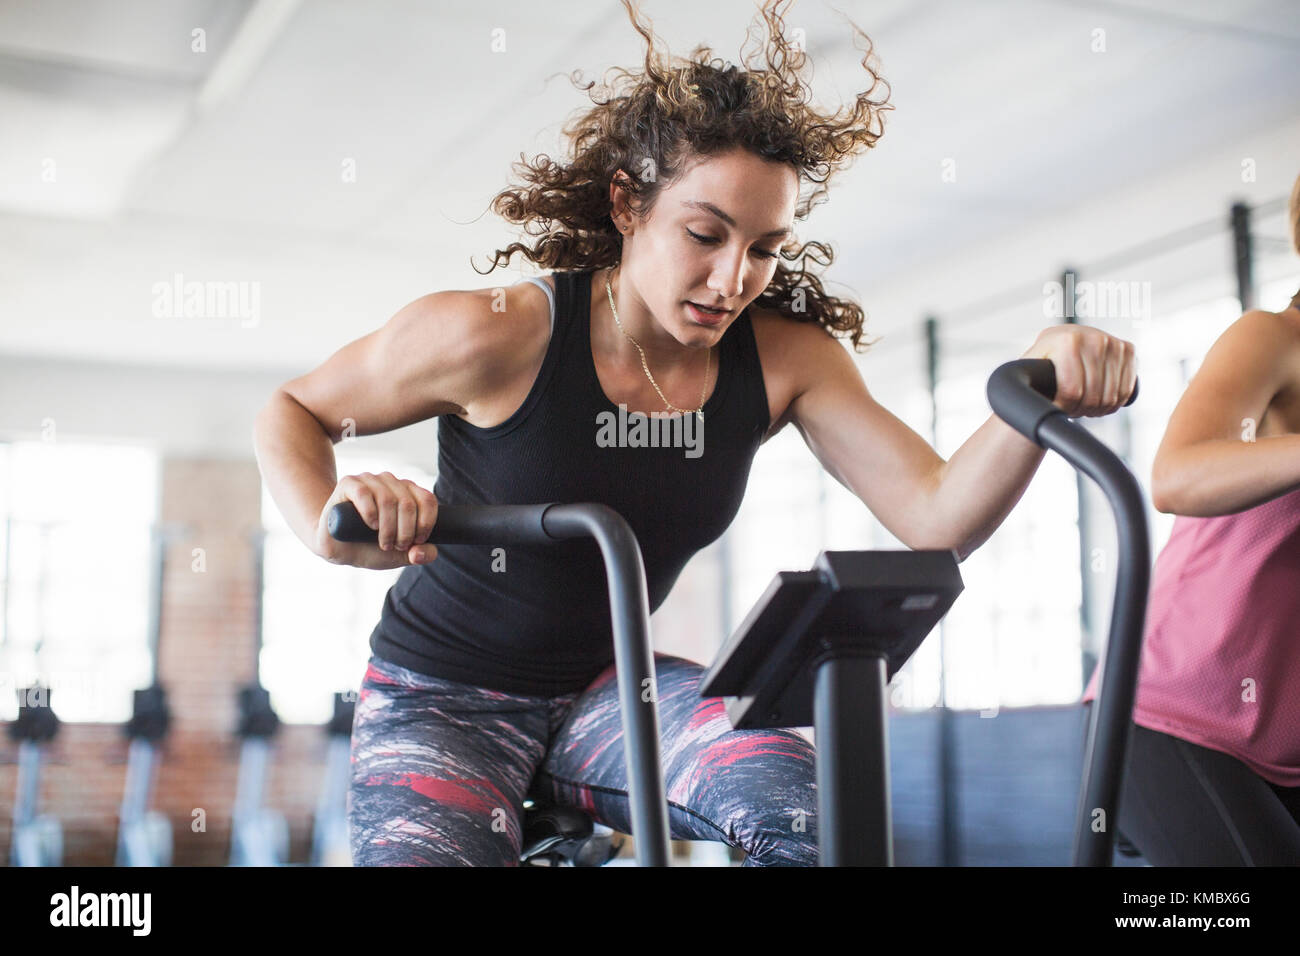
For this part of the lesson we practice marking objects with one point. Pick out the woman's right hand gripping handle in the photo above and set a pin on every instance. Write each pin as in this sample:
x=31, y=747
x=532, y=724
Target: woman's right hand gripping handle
x=401, y=511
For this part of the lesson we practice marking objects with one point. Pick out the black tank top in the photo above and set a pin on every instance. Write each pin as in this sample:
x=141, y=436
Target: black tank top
x=541, y=625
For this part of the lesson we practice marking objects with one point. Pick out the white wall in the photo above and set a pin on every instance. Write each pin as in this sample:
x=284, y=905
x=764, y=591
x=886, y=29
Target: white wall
x=196, y=413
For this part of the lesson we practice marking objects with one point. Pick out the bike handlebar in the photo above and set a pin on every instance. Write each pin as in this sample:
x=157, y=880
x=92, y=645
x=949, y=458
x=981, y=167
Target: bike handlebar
x=456, y=524
x=629, y=613
x=1020, y=393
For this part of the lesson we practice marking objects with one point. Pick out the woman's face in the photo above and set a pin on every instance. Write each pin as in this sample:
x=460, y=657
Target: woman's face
x=711, y=239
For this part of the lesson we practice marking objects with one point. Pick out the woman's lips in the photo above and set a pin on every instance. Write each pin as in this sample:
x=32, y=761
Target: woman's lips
x=707, y=318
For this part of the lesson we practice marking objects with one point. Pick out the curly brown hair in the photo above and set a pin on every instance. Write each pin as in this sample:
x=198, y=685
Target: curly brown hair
x=673, y=114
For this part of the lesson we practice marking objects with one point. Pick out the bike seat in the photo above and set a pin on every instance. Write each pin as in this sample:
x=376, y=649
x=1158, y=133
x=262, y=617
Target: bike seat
x=564, y=836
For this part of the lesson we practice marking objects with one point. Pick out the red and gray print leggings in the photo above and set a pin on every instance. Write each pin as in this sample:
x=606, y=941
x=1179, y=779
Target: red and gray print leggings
x=440, y=769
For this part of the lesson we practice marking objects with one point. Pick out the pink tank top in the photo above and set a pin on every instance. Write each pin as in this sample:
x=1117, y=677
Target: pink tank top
x=1221, y=654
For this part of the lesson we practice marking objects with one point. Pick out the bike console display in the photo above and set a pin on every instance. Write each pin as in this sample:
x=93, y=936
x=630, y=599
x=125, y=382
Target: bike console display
x=850, y=604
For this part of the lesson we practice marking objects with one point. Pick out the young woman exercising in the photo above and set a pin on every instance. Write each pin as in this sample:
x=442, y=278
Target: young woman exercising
x=669, y=236
x=1213, y=773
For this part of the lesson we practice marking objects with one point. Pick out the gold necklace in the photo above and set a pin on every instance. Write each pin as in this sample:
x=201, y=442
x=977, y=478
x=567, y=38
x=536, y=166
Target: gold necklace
x=708, y=356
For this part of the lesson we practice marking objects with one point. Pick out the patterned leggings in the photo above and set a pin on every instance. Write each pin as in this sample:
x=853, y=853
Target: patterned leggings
x=440, y=769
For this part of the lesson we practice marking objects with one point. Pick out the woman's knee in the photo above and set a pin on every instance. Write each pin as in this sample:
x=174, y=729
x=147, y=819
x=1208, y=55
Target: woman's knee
x=780, y=836
x=760, y=789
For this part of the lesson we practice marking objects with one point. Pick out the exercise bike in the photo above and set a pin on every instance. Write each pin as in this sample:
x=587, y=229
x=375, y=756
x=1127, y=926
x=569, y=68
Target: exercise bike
x=144, y=835
x=259, y=835
x=37, y=837
x=819, y=647
x=554, y=834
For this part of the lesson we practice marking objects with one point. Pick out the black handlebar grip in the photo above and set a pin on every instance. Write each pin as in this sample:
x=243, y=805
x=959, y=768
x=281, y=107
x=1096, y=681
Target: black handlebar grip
x=1021, y=393
x=456, y=524
x=1041, y=377
x=346, y=524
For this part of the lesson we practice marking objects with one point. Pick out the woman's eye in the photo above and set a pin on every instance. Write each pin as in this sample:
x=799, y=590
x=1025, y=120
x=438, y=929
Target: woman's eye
x=710, y=240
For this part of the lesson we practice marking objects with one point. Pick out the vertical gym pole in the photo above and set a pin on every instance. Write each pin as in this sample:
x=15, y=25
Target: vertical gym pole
x=1243, y=255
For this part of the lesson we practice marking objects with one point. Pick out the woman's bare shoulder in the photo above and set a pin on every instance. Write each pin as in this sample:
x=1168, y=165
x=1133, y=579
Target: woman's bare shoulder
x=1251, y=370
x=1281, y=333
x=511, y=332
x=1289, y=317
x=791, y=354
x=1273, y=336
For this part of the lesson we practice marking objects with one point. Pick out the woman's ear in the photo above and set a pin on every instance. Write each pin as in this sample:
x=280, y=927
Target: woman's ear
x=620, y=211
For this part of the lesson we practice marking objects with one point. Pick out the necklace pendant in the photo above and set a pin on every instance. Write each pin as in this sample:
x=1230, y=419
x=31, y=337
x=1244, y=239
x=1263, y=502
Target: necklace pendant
x=700, y=416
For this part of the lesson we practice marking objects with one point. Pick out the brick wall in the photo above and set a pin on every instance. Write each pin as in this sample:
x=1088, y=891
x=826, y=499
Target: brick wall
x=207, y=653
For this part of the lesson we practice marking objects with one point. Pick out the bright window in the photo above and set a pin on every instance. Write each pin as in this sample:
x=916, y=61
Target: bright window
x=76, y=550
